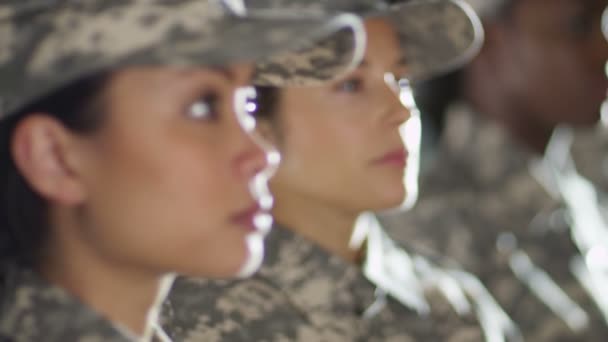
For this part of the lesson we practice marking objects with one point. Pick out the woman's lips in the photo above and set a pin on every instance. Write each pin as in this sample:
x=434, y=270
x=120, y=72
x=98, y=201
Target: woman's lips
x=397, y=157
x=247, y=218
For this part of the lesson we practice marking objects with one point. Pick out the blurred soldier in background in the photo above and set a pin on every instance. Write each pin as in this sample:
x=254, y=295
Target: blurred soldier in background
x=503, y=195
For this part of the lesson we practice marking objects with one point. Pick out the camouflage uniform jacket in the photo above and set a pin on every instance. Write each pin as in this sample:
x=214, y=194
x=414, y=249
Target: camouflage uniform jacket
x=590, y=153
x=480, y=188
x=31, y=310
x=303, y=294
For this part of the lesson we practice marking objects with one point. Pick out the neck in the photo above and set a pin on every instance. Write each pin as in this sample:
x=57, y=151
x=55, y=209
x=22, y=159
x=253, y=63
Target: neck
x=322, y=223
x=122, y=294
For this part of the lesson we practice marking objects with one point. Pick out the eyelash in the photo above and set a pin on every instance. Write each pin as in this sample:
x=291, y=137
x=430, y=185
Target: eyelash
x=353, y=85
x=204, y=108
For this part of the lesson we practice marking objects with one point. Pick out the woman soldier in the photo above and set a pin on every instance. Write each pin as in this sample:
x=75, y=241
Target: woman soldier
x=332, y=274
x=125, y=156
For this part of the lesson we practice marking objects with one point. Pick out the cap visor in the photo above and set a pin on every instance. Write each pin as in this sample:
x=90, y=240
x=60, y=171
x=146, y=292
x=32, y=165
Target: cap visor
x=437, y=36
x=286, y=50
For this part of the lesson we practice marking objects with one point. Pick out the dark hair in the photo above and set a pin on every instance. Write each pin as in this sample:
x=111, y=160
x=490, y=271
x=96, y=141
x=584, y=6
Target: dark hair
x=434, y=96
x=23, y=212
x=268, y=102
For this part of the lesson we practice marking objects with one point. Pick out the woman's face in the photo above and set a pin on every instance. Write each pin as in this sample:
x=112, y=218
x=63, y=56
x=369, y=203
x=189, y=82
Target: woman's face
x=167, y=175
x=554, y=59
x=341, y=143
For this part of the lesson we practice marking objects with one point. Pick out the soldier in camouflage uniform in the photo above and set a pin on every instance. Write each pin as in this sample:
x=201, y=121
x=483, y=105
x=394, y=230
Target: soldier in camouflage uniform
x=315, y=285
x=488, y=201
x=126, y=146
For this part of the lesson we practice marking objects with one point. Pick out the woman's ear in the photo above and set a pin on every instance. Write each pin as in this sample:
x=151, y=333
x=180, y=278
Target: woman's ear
x=43, y=151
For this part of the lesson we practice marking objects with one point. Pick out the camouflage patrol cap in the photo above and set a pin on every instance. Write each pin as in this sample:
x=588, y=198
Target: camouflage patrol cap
x=46, y=44
x=436, y=35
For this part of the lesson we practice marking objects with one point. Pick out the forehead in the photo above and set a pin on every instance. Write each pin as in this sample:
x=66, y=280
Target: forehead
x=383, y=42
x=551, y=15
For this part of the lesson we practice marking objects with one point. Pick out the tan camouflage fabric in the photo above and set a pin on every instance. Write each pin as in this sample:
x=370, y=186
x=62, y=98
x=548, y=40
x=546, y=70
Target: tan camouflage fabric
x=436, y=35
x=480, y=188
x=32, y=310
x=45, y=44
x=303, y=294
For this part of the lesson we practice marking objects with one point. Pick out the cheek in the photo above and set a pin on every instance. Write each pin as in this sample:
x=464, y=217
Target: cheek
x=568, y=88
x=327, y=146
x=556, y=83
x=169, y=206
x=165, y=171
x=333, y=164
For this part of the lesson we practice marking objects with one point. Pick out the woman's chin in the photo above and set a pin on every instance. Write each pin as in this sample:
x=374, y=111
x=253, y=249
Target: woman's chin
x=390, y=199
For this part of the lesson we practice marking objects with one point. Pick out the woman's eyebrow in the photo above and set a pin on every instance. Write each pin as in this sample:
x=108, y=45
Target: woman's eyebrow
x=225, y=72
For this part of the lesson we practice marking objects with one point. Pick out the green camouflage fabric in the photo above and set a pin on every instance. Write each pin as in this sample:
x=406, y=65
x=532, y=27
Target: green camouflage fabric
x=436, y=35
x=480, y=189
x=31, y=310
x=302, y=293
x=45, y=44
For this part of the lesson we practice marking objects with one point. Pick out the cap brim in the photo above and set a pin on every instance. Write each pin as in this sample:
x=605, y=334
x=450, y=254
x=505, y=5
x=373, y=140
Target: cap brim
x=330, y=49
x=197, y=35
x=285, y=50
x=437, y=36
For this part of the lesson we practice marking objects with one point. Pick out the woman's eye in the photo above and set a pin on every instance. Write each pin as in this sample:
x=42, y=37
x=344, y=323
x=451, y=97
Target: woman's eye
x=205, y=108
x=350, y=86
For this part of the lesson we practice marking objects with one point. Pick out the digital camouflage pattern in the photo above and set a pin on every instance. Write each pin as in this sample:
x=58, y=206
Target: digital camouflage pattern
x=480, y=188
x=31, y=310
x=302, y=293
x=45, y=44
x=436, y=35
